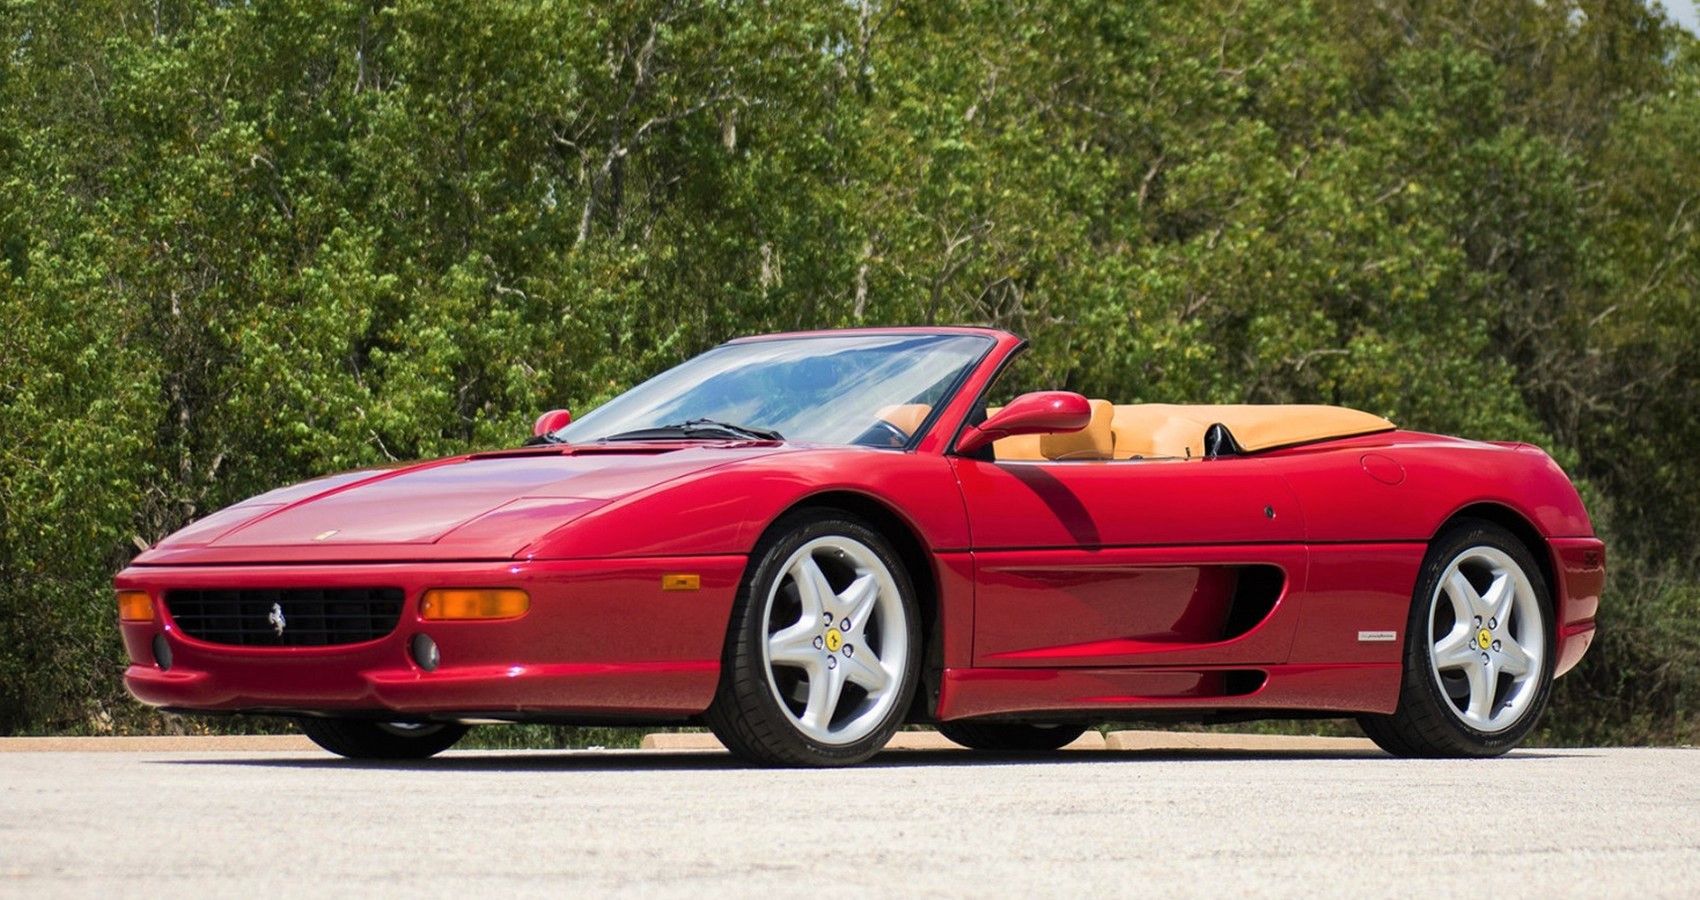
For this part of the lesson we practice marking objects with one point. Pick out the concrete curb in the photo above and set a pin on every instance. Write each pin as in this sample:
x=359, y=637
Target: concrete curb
x=1091, y=740
x=1200, y=740
x=673, y=742
x=188, y=743
x=903, y=740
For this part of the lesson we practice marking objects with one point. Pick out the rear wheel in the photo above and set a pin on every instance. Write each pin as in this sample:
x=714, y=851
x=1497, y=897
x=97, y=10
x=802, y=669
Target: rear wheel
x=824, y=646
x=364, y=739
x=1011, y=737
x=1478, y=649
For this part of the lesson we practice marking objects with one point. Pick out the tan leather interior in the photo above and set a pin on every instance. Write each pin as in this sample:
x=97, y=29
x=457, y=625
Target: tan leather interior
x=1157, y=430
x=1096, y=441
x=906, y=417
x=1021, y=446
x=1177, y=430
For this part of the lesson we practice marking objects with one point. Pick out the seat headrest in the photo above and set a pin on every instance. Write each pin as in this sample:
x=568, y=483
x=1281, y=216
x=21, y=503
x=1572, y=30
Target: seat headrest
x=906, y=417
x=1096, y=441
x=1021, y=446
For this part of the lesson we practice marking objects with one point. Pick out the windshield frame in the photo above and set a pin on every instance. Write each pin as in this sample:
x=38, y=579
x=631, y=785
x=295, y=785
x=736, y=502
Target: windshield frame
x=984, y=393
x=950, y=394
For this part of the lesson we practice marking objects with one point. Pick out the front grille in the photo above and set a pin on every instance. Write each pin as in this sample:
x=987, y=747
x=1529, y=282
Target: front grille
x=309, y=617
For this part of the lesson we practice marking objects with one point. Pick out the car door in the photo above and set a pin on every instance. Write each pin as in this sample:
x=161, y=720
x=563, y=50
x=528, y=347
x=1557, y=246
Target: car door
x=1139, y=562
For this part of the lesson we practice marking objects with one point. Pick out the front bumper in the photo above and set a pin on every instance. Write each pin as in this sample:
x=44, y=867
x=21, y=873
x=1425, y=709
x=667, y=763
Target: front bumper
x=602, y=639
x=1580, y=566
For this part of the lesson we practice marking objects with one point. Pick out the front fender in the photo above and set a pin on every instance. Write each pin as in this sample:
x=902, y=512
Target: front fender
x=725, y=510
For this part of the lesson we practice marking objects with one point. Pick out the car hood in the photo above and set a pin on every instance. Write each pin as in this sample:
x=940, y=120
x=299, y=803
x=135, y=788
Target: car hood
x=480, y=506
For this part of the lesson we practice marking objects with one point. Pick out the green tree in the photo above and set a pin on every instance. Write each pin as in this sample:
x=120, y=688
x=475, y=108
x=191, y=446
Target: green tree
x=242, y=244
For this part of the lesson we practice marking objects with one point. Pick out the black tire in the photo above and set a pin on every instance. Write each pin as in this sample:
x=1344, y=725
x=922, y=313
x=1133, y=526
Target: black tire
x=746, y=715
x=1011, y=737
x=1426, y=722
x=365, y=739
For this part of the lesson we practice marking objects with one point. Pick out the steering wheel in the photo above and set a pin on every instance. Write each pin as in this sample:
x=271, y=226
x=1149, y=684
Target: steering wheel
x=882, y=434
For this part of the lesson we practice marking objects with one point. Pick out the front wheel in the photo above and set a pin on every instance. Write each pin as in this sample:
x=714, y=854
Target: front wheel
x=824, y=646
x=363, y=739
x=1478, y=654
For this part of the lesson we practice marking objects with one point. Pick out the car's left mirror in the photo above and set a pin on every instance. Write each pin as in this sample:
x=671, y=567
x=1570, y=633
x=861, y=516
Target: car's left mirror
x=550, y=422
x=1041, y=412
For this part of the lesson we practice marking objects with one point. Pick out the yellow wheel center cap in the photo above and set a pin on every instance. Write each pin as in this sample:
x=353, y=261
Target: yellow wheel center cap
x=1484, y=639
x=834, y=640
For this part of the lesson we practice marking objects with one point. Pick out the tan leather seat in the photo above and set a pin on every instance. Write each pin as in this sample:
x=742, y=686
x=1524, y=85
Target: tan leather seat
x=1176, y=430
x=905, y=417
x=1095, y=441
x=1021, y=446
x=1159, y=430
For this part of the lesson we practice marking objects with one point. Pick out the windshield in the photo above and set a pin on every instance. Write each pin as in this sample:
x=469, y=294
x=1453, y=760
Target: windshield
x=870, y=389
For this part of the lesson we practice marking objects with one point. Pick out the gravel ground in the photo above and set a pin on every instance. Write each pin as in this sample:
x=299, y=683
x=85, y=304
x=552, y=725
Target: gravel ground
x=1172, y=822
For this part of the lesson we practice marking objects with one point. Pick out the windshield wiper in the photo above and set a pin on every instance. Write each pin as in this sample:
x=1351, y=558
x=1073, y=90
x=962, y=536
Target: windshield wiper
x=698, y=428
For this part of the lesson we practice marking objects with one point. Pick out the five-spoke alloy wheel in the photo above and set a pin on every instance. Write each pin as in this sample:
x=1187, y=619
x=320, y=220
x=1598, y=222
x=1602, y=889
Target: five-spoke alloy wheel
x=1488, y=642
x=1478, y=649
x=822, y=655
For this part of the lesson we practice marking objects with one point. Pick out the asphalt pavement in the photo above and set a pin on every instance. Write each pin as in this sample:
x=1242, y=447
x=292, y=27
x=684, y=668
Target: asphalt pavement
x=1098, y=823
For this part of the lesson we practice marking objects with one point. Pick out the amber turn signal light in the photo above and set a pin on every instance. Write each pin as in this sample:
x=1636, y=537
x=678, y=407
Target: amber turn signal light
x=681, y=582
x=474, y=603
x=135, y=606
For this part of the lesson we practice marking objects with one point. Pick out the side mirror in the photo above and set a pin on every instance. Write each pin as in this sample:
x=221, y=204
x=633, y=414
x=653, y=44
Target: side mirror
x=550, y=422
x=1041, y=412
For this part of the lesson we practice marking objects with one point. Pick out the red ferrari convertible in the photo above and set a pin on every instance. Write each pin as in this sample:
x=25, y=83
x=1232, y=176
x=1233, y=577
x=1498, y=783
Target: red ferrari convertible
x=804, y=541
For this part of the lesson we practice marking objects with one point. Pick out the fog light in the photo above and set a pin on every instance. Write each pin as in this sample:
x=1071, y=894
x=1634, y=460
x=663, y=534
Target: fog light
x=474, y=603
x=161, y=653
x=425, y=653
x=135, y=606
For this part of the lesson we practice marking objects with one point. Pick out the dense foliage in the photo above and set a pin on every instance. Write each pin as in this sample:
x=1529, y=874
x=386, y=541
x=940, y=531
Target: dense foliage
x=243, y=243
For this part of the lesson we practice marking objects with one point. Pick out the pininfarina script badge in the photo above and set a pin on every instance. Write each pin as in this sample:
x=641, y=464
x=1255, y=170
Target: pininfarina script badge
x=276, y=619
